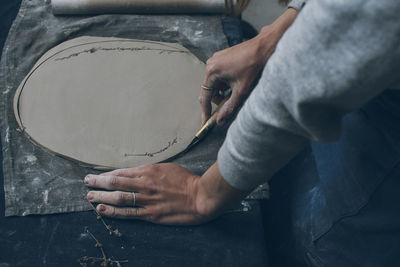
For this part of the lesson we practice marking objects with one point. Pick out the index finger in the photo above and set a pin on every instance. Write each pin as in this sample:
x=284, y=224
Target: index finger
x=205, y=103
x=205, y=98
x=126, y=172
x=112, y=182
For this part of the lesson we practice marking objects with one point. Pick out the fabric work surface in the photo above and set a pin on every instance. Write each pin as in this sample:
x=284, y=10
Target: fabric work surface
x=36, y=182
x=234, y=239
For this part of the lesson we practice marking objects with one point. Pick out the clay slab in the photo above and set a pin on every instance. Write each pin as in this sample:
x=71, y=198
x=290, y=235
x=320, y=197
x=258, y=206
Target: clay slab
x=110, y=102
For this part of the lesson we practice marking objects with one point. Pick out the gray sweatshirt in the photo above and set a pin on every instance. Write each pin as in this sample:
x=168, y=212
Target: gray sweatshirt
x=336, y=57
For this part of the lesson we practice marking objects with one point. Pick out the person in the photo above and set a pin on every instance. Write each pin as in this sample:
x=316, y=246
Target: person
x=321, y=75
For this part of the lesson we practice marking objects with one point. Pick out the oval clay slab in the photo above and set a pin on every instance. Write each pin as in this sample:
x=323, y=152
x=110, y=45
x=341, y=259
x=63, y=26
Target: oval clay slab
x=112, y=103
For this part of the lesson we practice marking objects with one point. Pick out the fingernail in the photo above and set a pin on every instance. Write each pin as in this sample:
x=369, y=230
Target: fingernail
x=87, y=179
x=90, y=196
x=101, y=208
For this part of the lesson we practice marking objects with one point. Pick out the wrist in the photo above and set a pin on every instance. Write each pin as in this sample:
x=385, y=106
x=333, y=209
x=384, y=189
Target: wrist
x=282, y=23
x=270, y=35
x=214, y=194
x=279, y=26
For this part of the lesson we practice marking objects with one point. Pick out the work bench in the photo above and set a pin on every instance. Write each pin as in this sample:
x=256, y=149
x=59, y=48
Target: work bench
x=234, y=239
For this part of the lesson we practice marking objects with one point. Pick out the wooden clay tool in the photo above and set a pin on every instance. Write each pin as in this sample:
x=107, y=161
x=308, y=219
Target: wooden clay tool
x=208, y=125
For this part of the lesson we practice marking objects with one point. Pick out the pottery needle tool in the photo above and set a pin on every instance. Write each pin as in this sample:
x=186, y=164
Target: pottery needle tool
x=210, y=123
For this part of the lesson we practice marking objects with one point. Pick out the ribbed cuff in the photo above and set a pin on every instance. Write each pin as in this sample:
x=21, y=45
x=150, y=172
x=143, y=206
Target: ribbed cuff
x=297, y=4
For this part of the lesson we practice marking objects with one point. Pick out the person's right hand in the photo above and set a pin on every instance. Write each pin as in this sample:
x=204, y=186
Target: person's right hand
x=239, y=68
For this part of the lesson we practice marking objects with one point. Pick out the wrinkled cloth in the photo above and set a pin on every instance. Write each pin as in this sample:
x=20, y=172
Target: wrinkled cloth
x=37, y=182
x=337, y=204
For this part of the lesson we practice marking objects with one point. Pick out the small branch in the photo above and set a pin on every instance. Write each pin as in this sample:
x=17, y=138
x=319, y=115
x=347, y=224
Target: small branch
x=111, y=231
x=83, y=261
x=98, y=244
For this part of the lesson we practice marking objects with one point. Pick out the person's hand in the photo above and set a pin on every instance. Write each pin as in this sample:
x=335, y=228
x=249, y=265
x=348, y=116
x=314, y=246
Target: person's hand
x=239, y=68
x=163, y=193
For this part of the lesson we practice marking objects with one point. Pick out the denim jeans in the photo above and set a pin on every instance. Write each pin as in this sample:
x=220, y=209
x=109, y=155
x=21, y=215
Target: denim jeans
x=343, y=199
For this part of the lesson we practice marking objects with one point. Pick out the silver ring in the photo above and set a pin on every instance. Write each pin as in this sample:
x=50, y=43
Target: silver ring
x=207, y=88
x=137, y=211
x=134, y=198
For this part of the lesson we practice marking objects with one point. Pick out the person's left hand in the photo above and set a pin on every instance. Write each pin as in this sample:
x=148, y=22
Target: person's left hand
x=164, y=193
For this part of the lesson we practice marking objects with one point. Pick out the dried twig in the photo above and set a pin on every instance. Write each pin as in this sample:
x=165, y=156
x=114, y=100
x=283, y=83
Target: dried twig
x=111, y=231
x=98, y=244
x=104, y=261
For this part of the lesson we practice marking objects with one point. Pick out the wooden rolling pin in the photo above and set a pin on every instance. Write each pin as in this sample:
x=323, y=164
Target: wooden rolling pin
x=79, y=7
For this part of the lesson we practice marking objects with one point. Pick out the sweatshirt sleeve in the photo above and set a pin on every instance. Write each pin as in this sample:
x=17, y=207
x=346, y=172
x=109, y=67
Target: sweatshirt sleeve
x=336, y=57
x=297, y=4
